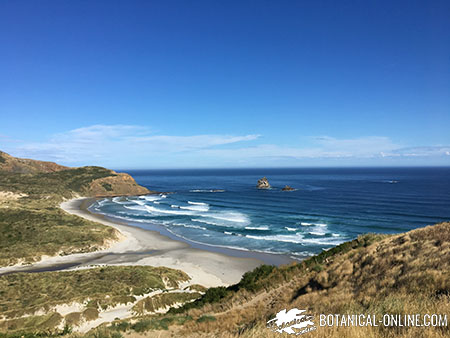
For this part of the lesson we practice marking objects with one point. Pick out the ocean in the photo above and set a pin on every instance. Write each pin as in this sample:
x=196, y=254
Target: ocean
x=223, y=207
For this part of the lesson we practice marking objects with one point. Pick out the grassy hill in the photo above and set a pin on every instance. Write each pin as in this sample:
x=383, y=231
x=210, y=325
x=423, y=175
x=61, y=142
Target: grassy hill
x=31, y=222
x=26, y=166
x=33, y=225
x=375, y=274
x=43, y=179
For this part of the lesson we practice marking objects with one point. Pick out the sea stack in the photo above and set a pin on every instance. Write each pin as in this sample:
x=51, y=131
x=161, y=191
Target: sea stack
x=263, y=183
x=288, y=188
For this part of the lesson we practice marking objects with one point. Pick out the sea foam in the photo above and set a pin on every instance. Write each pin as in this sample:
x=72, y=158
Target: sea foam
x=257, y=228
x=197, y=203
x=197, y=207
x=153, y=210
x=207, y=190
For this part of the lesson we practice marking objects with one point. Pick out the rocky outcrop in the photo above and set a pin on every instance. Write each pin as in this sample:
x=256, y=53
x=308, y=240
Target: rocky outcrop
x=120, y=184
x=288, y=188
x=17, y=165
x=263, y=183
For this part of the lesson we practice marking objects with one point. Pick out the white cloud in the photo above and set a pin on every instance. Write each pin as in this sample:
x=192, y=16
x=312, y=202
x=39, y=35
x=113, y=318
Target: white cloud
x=422, y=151
x=325, y=147
x=136, y=146
x=362, y=146
x=184, y=143
x=115, y=141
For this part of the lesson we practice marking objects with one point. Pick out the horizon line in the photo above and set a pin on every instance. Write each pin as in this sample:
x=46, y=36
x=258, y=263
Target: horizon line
x=309, y=167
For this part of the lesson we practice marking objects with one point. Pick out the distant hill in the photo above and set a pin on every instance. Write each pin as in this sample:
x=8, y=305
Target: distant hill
x=31, y=222
x=49, y=177
x=26, y=166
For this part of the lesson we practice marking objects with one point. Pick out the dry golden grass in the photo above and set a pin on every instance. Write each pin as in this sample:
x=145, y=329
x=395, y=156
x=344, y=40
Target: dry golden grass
x=402, y=274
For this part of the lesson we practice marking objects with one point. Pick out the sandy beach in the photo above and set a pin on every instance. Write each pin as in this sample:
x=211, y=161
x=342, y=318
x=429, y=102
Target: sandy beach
x=143, y=247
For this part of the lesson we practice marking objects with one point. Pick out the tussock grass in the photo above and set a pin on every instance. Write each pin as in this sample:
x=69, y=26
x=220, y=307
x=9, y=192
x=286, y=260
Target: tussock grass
x=27, y=234
x=62, y=183
x=45, y=324
x=163, y=301
x=24, y=293
x=402, y=274
x=34, y=225
x=374, y=274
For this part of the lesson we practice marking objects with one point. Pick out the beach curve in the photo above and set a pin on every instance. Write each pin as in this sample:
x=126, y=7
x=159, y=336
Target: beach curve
x=137, y=246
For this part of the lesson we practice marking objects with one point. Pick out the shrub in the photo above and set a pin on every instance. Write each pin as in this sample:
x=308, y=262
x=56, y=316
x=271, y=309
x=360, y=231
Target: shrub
x=206, y=318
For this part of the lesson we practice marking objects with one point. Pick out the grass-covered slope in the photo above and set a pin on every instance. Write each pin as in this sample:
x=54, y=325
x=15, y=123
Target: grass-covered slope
x=375, y=274
x=12, y=164
x=31, y=222
x=28, y=234
x=85, y=181
x=29, y=301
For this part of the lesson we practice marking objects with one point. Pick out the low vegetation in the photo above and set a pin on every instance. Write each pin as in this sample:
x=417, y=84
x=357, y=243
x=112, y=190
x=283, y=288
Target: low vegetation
x=55, y=184
x=374, y=274
x=400, y=274
x=29, y=294
x=28, y=234
x=26, y=293
x=266, y=277
x=31, y=222
x=164, y=301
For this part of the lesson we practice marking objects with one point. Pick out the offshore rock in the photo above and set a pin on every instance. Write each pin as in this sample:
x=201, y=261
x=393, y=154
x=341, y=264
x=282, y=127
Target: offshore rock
x=263, y=183
x=288, y=188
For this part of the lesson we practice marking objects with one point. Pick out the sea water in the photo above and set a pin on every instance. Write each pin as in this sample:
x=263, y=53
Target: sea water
x=223, y=207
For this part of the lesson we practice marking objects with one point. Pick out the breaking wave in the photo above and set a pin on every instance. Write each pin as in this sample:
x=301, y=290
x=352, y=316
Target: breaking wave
x=207, y=190
x=257, y=228
x=197, y=207
x=197, y=203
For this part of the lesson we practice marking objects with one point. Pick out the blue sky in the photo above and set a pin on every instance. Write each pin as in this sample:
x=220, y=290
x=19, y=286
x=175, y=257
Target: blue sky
x=173, y=84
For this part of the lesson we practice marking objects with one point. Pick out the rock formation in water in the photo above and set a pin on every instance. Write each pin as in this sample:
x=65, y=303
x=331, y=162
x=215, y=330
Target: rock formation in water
x=263, y=183
x=288, y=188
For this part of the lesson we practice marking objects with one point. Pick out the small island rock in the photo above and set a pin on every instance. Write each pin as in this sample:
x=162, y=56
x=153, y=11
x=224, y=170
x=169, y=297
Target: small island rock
x=263, y=183
x=288, y=188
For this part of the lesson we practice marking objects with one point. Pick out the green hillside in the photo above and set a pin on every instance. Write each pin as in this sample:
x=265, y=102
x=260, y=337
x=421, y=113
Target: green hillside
x=31, y=222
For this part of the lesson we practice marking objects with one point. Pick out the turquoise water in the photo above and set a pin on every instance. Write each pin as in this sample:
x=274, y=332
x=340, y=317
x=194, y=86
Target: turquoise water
x=330, y=206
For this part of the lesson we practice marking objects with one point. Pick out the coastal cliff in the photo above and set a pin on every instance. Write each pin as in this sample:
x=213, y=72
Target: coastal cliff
x=119, y=184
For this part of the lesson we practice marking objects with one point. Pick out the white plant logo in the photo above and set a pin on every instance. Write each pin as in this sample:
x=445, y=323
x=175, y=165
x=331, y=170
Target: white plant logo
x=291, y=322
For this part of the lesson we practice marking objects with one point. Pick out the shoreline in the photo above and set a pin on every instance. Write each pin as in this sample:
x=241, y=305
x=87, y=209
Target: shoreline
x=137, y=246
x=265, y=257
